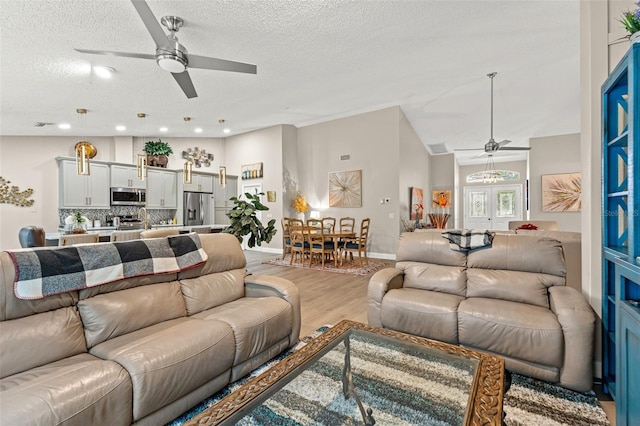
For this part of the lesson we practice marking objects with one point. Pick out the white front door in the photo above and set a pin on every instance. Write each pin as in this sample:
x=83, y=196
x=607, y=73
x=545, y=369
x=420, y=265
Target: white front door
x=492, y=206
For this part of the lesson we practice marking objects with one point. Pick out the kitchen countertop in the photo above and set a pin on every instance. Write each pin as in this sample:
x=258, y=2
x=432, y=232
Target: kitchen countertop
x=105, y=231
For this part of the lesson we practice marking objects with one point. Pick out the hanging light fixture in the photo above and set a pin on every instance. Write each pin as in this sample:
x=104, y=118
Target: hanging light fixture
x=85, y=150
x=223, y=176
x=490, y=174
x=141, y=163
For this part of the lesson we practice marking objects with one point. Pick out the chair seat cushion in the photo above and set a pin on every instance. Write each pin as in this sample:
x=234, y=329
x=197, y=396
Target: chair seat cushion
x=518, y=330
x=424, y=313
x=169, y=360
x=79, y=390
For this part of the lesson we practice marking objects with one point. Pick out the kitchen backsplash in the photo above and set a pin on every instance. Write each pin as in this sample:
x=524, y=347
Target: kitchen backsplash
x=155, y=216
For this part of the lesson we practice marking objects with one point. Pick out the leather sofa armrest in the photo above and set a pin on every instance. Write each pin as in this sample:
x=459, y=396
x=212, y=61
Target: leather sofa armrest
x=271, y=286
x=381, y=282
x=577, y=320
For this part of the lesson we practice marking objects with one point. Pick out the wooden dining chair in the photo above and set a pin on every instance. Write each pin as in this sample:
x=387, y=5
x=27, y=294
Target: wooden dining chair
x=329, y=223
x=358, y=244
x=71, y=239
x=299, y=242
x=286, y=236
x=125, y=235
x=321, y=247
x=347, y=224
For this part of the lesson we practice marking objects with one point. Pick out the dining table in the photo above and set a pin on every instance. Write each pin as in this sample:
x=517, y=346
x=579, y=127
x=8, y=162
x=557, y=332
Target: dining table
x=335, y=235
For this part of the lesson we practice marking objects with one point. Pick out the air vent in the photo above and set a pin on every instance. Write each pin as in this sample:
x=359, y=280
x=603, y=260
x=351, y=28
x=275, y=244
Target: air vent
x=42, y=124
x=345, y=157
x=438, y=148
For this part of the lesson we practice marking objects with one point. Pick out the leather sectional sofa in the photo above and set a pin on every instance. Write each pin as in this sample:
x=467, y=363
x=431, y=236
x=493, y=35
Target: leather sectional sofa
x=509, y=299
x=141, y=350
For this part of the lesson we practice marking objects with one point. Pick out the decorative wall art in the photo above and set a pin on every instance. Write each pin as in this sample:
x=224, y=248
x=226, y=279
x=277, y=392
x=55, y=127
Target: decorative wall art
x=271, y=196
x=345, y=189
x=562, y=192
x=251, y=171
x=441, y=199
x=11, y=194
x=416, y=203
x=200, y=157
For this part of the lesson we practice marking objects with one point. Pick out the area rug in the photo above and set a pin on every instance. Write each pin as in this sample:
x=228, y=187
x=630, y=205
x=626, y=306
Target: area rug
x=346, y=268
x=528, y=401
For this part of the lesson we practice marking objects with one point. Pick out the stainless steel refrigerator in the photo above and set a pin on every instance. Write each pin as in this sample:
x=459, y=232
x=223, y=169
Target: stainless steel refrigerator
x=198, y=208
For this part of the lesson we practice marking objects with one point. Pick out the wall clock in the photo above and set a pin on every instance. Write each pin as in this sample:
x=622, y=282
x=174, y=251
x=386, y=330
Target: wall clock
x=345, y=189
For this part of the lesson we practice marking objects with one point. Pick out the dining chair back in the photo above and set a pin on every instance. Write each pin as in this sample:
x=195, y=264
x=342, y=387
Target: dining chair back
x=201, y=229
x=286, y=236
x=71, y=239
x=347, y=224
x=125, y=235
x=299, y=243
x=31, y=236
x=358, y=244
x=329, y=224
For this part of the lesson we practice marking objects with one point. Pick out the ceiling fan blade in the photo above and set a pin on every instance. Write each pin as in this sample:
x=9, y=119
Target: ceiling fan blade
x=153, y=26
x=482, y=154
x=185, y=83
x=469, y=149
x=204, y=62
x=516, y=148
x=110, y=53
x=503, y=143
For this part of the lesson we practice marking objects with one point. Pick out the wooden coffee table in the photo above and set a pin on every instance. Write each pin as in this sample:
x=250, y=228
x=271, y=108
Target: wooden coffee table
x=481, y=379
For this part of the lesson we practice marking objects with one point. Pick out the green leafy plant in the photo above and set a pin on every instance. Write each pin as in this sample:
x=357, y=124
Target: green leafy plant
x=157, y=148
x=245, y=222
x=631, y=20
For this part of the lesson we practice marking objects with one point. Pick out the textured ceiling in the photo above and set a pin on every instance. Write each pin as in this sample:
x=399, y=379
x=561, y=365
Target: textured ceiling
x=316, y=60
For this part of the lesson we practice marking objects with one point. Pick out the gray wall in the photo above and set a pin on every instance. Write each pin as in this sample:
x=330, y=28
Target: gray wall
x=553, y=155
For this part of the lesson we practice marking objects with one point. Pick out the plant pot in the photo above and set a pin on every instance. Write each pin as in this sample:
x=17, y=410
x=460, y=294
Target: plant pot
x=158, y=160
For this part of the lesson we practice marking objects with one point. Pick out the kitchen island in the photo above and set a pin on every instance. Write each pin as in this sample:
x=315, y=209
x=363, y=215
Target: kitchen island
x=104, y=232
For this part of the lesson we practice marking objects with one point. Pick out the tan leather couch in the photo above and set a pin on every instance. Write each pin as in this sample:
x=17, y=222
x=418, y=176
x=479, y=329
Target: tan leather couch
x=141, y=350
x=509, y=299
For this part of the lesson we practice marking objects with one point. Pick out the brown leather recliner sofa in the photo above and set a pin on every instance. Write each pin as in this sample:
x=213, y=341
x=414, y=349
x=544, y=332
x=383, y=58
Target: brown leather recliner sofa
x=140, y=350
x=509, y=299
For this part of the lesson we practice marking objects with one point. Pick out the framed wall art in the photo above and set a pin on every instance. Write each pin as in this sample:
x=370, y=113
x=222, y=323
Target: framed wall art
x=251, y=171
x=441, y=198
x=416, y=205
x=345, y=189
x=562, y=192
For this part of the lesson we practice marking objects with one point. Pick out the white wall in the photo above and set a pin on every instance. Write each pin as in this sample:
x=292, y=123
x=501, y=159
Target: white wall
x=553, y=155
x=372, y=141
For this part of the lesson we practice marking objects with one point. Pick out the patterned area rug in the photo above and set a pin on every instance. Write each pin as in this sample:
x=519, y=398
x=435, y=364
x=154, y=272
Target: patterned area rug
x=528, y=401
x=346, y=268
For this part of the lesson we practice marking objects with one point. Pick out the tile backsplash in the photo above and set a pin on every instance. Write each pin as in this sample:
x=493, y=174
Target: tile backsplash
x=155, y=216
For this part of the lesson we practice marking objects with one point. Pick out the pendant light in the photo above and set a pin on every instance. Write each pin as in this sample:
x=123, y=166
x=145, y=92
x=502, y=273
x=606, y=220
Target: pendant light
x=141, y=161
x=188, y=165
x=222, y=177
x=84, y=149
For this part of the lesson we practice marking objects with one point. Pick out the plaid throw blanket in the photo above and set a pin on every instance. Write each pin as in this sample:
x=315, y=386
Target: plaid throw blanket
x=468, y=239
x=42, y=272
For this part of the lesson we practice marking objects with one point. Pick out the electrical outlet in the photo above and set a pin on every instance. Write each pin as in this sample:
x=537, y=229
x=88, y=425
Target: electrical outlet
x=392, y=215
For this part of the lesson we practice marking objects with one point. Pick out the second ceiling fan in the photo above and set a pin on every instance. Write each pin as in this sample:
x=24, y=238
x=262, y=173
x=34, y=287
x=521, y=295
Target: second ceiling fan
x=492, y=146
x=171, y=55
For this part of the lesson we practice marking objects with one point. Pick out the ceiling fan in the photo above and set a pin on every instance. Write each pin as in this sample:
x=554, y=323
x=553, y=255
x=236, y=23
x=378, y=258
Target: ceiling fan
x=171, y=55
x=492, y=146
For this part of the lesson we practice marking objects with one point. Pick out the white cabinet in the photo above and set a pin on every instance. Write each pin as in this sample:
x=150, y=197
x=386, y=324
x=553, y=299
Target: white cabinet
x=90, y=191
x=199, y=183
x=222, y=194
x=126, y=177
x=162, y=192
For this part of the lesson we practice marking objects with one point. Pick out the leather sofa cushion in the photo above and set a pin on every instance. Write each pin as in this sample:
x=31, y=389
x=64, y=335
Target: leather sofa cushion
x=113, y=314
x=523, y=287
x=428, y=247
x=168, y=360
x=40, y=339
x=224, y=254
x=215, y=289
x=424, y=313
x=80, y=390
x=257, y=323
x=521, y=331
x=521, y=253
x=427, y=276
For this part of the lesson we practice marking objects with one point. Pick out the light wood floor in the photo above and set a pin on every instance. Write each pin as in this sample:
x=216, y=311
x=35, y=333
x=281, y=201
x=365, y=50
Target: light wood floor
x=328, y=297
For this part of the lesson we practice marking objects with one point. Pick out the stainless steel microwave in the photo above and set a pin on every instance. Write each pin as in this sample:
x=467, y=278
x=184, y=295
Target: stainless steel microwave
x=128, y=197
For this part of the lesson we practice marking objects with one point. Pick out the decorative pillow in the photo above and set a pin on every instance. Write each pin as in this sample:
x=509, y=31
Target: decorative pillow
x=530, y=226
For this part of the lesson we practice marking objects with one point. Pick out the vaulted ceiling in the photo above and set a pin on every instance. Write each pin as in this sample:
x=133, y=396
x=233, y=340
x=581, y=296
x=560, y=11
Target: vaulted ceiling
x=316, y=60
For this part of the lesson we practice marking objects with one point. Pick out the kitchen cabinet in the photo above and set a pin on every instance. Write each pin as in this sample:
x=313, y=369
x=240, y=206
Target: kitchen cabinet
x=221, y=196
x=126, y=177
x=83, y=191
x=199, y=183
x=162, y=191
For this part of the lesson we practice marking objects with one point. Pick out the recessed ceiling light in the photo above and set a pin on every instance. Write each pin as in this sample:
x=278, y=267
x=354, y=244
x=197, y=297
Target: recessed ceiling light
x=164, y=129
x=227, y=130
x=103, y=72
x=197, y=130
x=121, y=128
x=64, y=126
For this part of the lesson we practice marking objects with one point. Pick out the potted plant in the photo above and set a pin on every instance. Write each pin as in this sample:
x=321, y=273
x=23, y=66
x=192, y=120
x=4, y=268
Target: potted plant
x=76, y=223
x=631, y=22
x=157, y=153
x=245, y=222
